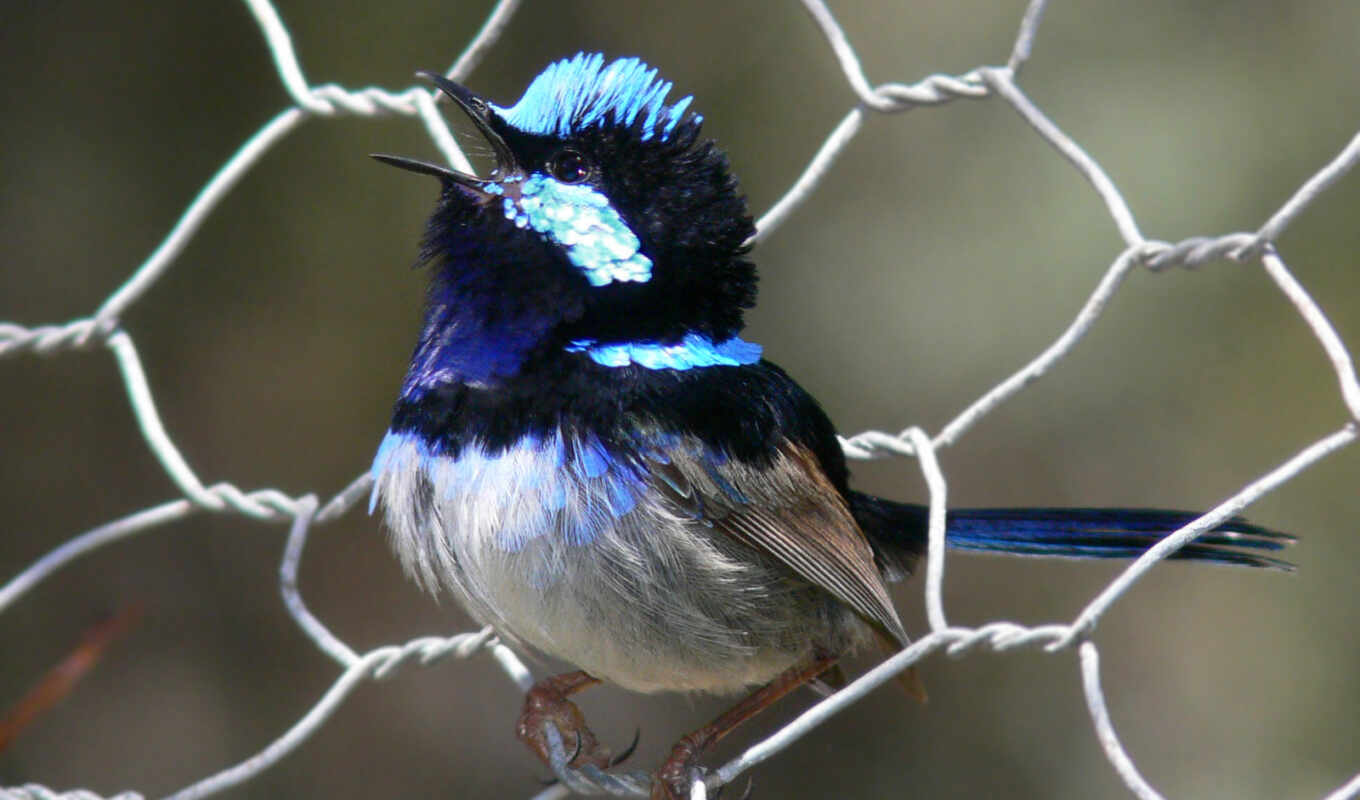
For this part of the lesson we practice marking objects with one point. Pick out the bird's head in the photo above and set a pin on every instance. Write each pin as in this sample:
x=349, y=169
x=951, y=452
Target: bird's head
x=606, y=222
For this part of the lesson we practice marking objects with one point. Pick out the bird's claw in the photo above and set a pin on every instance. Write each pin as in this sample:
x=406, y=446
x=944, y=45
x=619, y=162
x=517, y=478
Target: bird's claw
x=587, y=778
x=629, y=750
x=550, y=719
x=676, y=781
x=745, y=794
x=680, y=772
x=684, y=789
x=558, y=764
x=548, y=710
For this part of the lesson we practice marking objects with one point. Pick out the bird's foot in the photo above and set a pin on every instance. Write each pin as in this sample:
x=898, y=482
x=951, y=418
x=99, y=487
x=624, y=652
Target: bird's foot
x=555, y=729
x=546, y=705
x=677, y=788
x=677, y=776
x=588, y=779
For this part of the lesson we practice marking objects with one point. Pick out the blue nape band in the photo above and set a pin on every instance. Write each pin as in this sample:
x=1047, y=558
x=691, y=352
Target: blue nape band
x=691, y=351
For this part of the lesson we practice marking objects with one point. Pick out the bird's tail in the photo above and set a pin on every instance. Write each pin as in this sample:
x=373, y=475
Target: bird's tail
x=898, y=531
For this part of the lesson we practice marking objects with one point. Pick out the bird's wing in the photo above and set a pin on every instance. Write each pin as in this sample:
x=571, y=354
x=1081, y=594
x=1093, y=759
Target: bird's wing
x=783, y=506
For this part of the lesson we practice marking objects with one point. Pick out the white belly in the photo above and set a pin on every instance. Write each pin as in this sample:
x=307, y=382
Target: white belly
x=583, y=563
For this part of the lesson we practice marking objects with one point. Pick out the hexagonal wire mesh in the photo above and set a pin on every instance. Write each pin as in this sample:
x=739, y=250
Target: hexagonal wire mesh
x=104, y=330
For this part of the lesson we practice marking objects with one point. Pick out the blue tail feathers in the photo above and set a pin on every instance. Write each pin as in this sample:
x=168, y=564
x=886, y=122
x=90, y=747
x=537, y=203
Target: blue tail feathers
x=898, y=531
x=1108, y=533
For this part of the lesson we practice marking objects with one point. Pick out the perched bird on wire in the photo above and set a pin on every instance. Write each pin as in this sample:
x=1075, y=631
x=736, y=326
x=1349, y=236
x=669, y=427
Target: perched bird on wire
x=590, y=458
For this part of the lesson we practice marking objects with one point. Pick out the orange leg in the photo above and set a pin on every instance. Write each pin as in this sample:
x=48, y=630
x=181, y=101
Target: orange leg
x=672, y=779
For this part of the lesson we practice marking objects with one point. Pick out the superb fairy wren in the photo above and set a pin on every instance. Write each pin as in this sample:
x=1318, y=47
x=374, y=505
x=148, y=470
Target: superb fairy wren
x=586, y=454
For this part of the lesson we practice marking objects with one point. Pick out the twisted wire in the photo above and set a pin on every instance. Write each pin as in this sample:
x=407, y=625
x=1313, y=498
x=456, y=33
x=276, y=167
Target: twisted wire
x=102, y=329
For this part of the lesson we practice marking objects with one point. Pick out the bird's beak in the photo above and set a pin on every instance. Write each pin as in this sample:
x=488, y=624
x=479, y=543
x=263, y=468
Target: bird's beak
x=479, y=111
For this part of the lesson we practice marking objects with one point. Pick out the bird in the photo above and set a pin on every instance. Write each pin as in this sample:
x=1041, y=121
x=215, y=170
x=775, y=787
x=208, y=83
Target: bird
x=586, y=454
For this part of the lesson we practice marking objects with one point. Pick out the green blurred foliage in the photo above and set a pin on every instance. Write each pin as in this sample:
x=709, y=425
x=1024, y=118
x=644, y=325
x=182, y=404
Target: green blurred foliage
x=947, y=247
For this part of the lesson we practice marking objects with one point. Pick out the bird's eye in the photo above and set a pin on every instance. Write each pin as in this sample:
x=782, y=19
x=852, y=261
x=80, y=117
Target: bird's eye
x=569, y=166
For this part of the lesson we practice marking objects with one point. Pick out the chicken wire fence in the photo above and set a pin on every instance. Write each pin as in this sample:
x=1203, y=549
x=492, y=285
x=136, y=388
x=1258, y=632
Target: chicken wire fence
x=103, y=329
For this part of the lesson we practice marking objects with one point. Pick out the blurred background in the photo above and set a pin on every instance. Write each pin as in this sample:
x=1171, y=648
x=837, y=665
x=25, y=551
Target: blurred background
x=948, y=247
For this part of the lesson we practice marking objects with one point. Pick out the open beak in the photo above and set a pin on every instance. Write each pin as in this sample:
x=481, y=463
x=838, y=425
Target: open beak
x=479, y=111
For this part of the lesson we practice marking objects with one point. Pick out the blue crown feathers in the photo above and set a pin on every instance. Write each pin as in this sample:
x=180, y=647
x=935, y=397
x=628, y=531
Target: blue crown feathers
x=575, y=93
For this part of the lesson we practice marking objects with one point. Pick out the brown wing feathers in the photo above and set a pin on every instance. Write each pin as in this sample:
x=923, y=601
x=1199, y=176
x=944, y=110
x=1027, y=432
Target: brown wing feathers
x=790, y=511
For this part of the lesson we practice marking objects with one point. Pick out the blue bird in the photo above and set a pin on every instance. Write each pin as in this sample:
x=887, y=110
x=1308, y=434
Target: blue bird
x=589, y=457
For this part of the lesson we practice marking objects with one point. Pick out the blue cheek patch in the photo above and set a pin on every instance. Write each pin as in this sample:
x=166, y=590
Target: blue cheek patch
x=581, y=221
x=690, y=352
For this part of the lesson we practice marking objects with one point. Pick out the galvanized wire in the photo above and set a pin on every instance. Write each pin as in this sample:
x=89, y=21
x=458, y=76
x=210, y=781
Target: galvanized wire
x=103, y=329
